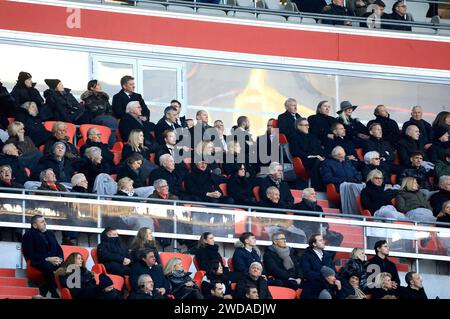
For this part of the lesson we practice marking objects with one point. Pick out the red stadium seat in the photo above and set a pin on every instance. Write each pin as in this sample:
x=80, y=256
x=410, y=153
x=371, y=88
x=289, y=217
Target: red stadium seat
x=283, y=139
x=362, y=211
x=333, y=195
x=299, y=169
x=65, y=294
x=282, y=292
x=256, y=193
x=275, y=123
x=117, y=151
x=224, y=189
x=360, y=154
x=297, y=194
x=230, y=264
x=198, y=277
x=94, y=255
x=104, y=131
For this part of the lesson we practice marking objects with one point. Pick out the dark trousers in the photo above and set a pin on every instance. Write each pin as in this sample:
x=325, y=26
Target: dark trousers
x=47, y=269
x=117, y=269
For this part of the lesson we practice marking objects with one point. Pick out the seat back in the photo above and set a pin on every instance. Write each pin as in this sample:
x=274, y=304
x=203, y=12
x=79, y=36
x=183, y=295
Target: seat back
x=65, y=294
x=198, y=277
x=362, y=211
x=332, y=194
x=224, y=189
x=282, y=292
x=299, y=169
x=67, y=250
x=256, y=193
x=104, y=131
x=94, y=255
x=71, y=129
x=186, y=259
x=360, y=154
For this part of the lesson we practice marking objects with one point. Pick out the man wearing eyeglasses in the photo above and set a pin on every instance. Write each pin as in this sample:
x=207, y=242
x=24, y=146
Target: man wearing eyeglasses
x=281, y=263
x=398, y=14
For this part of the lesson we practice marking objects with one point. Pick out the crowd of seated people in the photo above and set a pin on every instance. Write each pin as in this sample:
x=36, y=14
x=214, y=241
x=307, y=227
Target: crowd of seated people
x=194, y=161
x=310, y=274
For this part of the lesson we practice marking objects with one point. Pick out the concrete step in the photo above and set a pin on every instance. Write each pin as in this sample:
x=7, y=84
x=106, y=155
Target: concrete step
x=13, y=282
x=6, y=272
x=19, y=291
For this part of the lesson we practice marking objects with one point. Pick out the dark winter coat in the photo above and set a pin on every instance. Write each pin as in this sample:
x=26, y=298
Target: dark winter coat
x=21, y=94
x=64, y=106
x=45, y=187
x=141, y=295
x=179, y=288
x=391, y=132
x=127, y=171
x=63, y=169
x=37, y=246
x=120, y=101
x=273, y=265
x=199, y=182
x=127, y=151
x=160, y=127
x=107, y=155
x=134, y=253
x=336, y=172
x=381, y=146
x=385, y=265
x=207, y=254
x=91, y=170
x=353, y=128
x=420, y=174
x=412, y=294
x=312, y=289
x=96, y=103
x=383, y=168
x=286, y=123
x=346, y=143
x=70, y=148
x=129, y=123
x=156, y=272
x=242, y=258
x=17, y=166
x=426, y=131
x=24, y=147
x=285, y=192
x=7, y=106
x=320, y=125
x=374, y=197
x=438, y=199
x=406, y=146
x=88, y=285
x=33, y=127
x=337, y=11
x=311, y=264
x=173, y=179
x=303, y=145
x=111, y=250
x=395, y=16
x=240, y=189
x=354, y=267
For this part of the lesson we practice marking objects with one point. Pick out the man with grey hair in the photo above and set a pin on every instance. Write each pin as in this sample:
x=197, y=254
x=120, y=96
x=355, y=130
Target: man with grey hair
x=443, y=195
x=272, y=199
x=426, y=131
x=281, y=262
x=168, y=172
x=94, y=139
x=93, y=164
x=56, y=160
x=376, y=142
x=146, y=289
x=60, y=130
x=162, y=190
x=254, y=277
x=338, y=169
x=409, y=143
x=132, y=121
x=49, y=181
x=286, y=120
x=275, y=178
x=6, y=178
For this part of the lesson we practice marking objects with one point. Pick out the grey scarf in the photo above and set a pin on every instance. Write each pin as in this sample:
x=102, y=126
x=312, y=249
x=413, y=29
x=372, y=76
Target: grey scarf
x=283, y=253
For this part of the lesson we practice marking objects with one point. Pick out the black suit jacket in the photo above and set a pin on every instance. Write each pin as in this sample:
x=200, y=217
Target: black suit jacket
x=160, y=127
x=286, y=123
x=120, y=101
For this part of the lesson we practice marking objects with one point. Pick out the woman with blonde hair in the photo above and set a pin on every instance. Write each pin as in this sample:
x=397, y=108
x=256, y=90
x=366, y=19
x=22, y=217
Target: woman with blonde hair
x=30, y=155
x=183, y=287
x=383, y=287
x=135, y=145
x=355, y=266
x=413, y=202
x=144, y=239
x=88, y=286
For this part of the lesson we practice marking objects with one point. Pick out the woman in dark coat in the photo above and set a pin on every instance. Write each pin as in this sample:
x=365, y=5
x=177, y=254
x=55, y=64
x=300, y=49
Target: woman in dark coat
x=97, y=105
x=240, y=186
x=93, y=164
x=28, y=114
x=215, y=272
x=307, y=146
x=63, y=104
x=441, y=144
x=132, y=169
x=25, y=91
x=183, y=287
x=88, y=286
x=321, y=122
x=234, y=159
x=373, y=161
x=93, y=139
x=144, y=239
x=355, y=266
x=63, y=167
x=355, y=130
x=377, y=200
x=207, y=251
